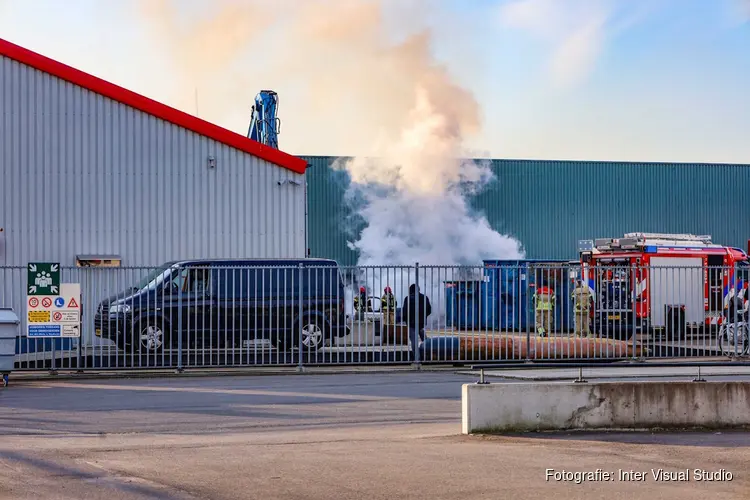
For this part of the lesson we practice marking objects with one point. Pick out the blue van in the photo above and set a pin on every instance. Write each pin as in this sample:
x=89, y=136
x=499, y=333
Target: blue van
x=225, y=304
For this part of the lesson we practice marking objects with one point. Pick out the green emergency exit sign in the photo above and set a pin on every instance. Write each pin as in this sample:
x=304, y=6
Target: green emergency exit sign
x=43, y=278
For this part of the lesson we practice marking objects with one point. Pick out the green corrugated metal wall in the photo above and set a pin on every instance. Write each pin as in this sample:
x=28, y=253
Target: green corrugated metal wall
x=550, y=205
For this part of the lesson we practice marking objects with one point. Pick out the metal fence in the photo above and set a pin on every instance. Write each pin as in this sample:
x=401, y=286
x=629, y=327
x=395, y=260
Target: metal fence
x=185, y=317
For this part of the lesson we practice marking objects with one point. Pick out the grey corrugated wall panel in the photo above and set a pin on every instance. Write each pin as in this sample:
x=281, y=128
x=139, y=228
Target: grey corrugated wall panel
x=551, y=205
x=83, y=174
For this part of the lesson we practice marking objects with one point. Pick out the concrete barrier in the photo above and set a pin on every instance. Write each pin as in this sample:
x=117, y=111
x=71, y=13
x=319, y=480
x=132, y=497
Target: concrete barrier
x=539, y=406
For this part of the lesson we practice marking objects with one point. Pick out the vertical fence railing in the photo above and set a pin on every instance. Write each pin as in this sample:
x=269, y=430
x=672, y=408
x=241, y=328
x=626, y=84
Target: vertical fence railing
x=181, y=317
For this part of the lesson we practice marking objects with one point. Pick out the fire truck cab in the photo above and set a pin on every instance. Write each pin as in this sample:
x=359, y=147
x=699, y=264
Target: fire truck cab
x=660, y=283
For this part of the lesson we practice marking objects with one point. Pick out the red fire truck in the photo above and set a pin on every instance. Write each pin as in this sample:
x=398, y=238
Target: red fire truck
x=651, y=282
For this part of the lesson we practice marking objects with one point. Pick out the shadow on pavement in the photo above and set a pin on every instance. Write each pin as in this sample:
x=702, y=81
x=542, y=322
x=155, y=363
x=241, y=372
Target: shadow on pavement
x=713, y=439
x=50, y=468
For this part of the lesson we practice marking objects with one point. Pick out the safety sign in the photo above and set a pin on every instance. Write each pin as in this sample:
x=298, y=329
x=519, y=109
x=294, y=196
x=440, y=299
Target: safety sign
x=38, y=316
x=57, y=315
x=65, y=317
x=43, y=278
x=45, y=330
x=71, y=331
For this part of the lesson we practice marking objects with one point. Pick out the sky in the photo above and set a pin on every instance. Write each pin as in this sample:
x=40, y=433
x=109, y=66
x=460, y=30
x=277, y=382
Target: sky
x=611, y=80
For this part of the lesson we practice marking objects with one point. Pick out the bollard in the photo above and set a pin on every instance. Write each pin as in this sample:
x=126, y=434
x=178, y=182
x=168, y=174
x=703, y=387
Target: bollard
x=580, y=379
x=482, y=381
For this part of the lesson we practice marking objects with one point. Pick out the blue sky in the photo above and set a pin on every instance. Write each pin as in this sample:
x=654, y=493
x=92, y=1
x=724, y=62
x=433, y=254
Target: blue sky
x=639, y=80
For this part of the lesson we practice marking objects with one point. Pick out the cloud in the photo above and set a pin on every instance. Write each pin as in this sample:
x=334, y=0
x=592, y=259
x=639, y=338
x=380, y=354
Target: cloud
x=578, y=31
x=576, y=55
x=744, y=9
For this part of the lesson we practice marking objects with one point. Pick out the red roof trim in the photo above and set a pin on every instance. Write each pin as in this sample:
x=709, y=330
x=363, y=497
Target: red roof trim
x=157, y=109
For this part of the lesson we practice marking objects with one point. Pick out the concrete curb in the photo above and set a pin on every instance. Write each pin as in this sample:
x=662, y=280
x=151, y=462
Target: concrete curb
x=609, y=373
x=530, y=378
x=535, y=406
x=19, y=376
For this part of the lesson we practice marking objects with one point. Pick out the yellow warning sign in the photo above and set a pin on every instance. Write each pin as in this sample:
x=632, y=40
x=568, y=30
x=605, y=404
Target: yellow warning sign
x=39, y=316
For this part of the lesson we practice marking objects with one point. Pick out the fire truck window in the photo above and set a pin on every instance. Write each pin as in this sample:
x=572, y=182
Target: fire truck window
x=743, y=273
x=715, y=282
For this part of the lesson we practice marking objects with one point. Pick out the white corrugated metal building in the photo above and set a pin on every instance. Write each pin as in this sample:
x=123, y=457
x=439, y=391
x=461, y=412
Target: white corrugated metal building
x=89, y=170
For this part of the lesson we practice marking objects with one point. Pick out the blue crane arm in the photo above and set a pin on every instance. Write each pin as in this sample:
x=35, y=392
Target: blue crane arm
x=264, y=125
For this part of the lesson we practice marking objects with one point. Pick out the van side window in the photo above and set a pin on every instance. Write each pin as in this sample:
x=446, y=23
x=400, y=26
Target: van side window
x=269, y=283
x=321, y=282
x=193, y=280
x=281, y=282
x=223, y=281
x=244, y=283
x=233, y=283
x=253, y=283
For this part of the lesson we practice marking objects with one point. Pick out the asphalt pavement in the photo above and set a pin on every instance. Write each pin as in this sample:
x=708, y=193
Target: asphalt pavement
x=338, y=436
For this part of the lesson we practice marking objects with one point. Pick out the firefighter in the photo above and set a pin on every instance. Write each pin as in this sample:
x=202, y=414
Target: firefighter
x=581, y=304
x=544, y=305
x=388, y=306
x=360, y=303
x=737, y=308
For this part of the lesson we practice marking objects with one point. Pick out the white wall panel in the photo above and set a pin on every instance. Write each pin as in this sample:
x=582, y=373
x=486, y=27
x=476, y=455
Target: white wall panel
x=83, y=174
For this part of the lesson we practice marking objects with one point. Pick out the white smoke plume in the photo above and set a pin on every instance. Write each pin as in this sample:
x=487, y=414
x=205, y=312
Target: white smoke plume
x=412, y=193
x=389, y=97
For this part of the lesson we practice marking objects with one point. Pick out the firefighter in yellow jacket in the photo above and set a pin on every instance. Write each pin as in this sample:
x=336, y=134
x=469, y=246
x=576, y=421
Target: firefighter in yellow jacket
x=388, y=306
x=581, y=306
x=544, y=306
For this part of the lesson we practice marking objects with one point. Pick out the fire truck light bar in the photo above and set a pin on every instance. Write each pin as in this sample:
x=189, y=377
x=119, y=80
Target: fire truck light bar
x=650, y=241
x=671, y=237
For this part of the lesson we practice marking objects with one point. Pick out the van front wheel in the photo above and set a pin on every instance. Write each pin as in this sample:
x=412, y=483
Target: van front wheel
x=153, y=336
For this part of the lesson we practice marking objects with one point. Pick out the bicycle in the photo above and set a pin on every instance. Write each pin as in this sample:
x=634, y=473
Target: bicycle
x=734, y=339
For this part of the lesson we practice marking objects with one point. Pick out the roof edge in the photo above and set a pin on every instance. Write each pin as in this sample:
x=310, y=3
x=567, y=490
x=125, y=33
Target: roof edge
x=150, y=106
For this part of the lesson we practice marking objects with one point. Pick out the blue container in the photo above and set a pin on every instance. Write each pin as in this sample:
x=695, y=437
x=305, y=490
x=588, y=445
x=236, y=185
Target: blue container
x=488, y=306
x=462, y=299
x=450, y=304
x=506, y=286
x=513, y=283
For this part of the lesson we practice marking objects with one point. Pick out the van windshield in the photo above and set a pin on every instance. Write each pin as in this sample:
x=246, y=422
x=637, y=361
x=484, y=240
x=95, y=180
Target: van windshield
x=154, y=278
